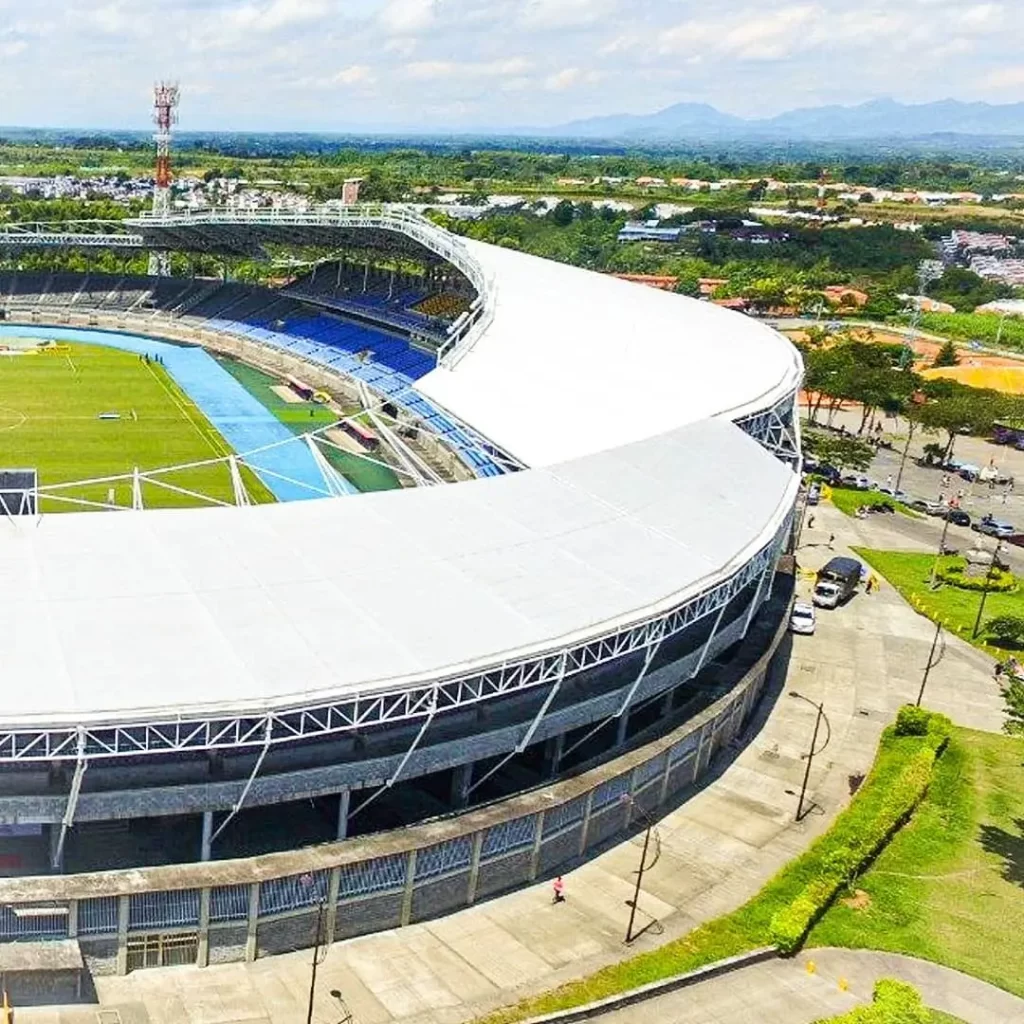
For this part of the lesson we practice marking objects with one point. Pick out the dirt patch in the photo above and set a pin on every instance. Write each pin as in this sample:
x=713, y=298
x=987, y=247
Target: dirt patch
x=860, y=900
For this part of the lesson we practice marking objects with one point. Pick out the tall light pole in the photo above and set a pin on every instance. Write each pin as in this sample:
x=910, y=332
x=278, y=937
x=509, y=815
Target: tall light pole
x=627, y=798
x=931, y=661
x=985, y=589
x=311, y=881
x=814, y=749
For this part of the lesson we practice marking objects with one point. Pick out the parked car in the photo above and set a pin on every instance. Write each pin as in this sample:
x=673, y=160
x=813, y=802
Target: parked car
x=837, y=582
x=994, y=527
x=958, y=517
x=802, y=619
x=858, y=481
x=929, y=508
x=897, y=495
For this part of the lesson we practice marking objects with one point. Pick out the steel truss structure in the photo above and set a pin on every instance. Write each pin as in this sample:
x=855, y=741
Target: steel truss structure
x=777, y=429
x=412, y=702
x=245, y=232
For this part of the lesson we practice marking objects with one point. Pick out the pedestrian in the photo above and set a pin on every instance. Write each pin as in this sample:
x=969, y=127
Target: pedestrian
x=558, y=888
x=888, y=481
x=810, y=521
x=873, y=583
x=831, y=540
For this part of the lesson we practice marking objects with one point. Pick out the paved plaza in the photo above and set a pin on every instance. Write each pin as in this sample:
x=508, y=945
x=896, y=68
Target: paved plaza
x=716, y=850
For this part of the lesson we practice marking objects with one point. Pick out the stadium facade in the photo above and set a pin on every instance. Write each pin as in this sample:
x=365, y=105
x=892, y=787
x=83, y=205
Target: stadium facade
x=567, y=635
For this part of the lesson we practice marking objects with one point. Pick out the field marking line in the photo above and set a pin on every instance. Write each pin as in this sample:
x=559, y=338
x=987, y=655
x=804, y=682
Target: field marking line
x=14, y=412
x=215, y=447
x=71, y=363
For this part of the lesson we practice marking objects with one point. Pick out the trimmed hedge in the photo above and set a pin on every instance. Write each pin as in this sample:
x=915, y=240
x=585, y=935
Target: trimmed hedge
x=912, y=721
x=840, y=861
x=893, y=1002
x=999, y=581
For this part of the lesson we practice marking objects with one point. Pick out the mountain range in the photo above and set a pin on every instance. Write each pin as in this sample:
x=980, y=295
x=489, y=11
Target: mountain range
x=877, y=119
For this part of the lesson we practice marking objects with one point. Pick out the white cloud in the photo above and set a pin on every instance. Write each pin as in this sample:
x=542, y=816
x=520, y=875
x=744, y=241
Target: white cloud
x=354, y=74
x=441, y=69
x=1005, y=78
x=547, y=14
x=408, y=17
x=569, y=78
x=492, y=62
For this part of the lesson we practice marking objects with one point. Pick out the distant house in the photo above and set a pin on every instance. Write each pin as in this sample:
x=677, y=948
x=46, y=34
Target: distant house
x=648, y=182
x=926, y=304
x=646, y=233
x=841, y=295
x=709, y=284
x=663, y=281
x=738, y=304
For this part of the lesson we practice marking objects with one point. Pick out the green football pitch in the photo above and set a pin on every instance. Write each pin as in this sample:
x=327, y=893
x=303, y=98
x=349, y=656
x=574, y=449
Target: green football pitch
x=81, y=412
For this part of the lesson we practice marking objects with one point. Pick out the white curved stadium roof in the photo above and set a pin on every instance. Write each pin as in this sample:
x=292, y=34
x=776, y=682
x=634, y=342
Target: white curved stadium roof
x=646, y=493
x=576, y=362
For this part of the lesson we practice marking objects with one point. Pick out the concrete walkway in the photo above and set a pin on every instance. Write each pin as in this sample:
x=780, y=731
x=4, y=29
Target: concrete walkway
x=821, y=983
x=716, y=850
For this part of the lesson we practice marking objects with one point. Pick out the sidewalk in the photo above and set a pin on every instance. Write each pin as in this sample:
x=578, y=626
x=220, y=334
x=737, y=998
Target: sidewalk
x=821, y=983
x=717, y=849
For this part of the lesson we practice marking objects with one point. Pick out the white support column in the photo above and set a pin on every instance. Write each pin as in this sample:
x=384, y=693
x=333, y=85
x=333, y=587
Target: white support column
x=769, y=568
x=57, y=848
x=337, y=486
x=206, y=847
x=237, y=483
x=137, y=503
x=344, y=798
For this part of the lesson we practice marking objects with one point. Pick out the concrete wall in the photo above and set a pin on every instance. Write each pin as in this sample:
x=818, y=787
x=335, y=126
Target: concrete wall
x=248, y=908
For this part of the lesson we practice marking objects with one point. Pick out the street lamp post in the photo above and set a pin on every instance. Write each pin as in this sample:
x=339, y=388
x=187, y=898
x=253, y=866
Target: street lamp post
x=931, y=661
x=810, y=755
x=628, y=799
x=985, y=588
x=310, y=880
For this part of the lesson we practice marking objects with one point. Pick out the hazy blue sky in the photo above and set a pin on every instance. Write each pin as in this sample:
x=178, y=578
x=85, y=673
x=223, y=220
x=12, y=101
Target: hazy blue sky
x=335, y=64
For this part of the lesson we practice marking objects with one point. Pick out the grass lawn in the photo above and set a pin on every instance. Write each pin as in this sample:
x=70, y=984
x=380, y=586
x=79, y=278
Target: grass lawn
x=302, y=417
x=950, y=885
x=746, y=928
x=848, y=500
x=910, y=573
x=50, y=406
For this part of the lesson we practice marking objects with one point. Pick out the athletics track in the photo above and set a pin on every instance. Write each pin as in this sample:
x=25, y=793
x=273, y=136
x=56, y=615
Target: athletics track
x=238, y=416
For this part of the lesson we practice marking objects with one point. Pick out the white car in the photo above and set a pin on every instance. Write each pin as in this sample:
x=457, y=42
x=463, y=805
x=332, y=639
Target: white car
x=802, y=619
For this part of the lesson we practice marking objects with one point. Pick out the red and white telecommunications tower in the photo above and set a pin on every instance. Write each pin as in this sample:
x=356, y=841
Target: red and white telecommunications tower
x=165, y=114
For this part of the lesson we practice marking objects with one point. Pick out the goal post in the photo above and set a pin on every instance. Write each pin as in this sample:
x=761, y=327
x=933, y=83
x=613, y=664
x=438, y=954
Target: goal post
x=19, y=492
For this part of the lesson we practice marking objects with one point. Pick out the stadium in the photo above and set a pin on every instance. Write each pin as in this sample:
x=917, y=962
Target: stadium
x=243, y=691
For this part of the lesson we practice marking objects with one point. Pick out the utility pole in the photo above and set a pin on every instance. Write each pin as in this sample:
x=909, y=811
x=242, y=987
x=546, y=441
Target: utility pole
x=931, y=661
x=984, y=592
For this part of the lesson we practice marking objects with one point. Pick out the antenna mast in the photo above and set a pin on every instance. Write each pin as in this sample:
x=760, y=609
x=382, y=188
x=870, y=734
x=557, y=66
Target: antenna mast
x=165, y=115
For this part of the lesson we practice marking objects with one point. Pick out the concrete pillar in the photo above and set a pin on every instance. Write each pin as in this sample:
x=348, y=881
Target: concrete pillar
x=72, y=919
x=206, y=847
x=122, y=935
x=462, y=779
x=585, y=827
x=620, y=729
x=553, y=748
x=410, y=885
x=538, y=838
x=203, y=955
x=344, y=798
x=56, y=856
x=331, y=910
x=253, y=919
x=474, y=866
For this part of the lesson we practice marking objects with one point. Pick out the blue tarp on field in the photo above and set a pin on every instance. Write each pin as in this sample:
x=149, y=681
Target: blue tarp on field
x=239, y=417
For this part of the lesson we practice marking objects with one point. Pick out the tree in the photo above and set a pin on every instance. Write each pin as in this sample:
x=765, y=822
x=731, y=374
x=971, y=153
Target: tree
x=1008, y=630
x=1013, y=696
x=562, y=214
x=947, y=355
